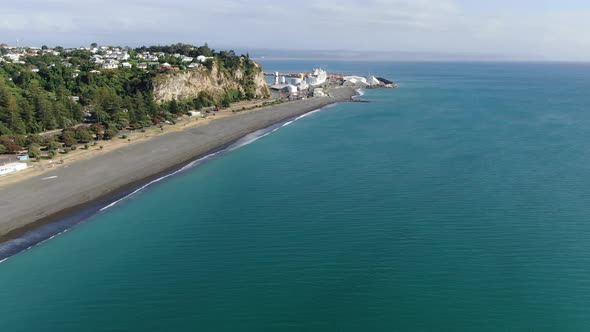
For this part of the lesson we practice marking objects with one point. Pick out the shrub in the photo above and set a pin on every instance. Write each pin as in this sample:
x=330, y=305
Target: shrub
x=34, y=151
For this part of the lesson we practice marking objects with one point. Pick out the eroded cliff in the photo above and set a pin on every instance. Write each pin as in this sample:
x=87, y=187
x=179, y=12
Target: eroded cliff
x=214, y=79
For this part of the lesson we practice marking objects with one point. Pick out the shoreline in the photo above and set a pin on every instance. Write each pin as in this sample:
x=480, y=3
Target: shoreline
x=83, y=188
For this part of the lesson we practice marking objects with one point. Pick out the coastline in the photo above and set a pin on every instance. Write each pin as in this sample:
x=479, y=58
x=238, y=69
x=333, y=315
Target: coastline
x=80, y=189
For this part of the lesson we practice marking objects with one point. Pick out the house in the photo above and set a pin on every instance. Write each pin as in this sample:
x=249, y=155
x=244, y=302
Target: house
x=12, y=57
x=166, y=65
x=126, y=65
x=142, y=65
x=94, y=71
x=193, y=65
x=202, y=58
x=124, y=56
x=12, y=168
x=34, y=70
x=186, y=59
x=111, y=64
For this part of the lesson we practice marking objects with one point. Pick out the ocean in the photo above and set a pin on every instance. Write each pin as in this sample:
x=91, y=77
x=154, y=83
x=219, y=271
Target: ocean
x=458, y=202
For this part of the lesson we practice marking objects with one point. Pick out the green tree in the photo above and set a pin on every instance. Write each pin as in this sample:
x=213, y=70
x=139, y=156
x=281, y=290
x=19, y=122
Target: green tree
x=35, y=139
x=34, y=151
x=110, y=133
x=52, y=145
x=83, y=134
x=69, y=138
x=173, y=106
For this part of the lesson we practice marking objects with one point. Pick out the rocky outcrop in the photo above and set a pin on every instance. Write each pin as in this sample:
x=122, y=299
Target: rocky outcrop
x=215, y=80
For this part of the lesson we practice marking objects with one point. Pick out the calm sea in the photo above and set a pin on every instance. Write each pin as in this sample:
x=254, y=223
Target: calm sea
x=459, y=202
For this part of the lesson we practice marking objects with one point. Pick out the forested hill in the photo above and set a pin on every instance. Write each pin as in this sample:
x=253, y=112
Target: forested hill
x=52, y=88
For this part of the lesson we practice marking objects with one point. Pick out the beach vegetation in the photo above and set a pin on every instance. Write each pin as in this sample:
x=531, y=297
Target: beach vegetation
x=110, y=133
x=34, y=151
x=83, y=134
x=52, y=145
x=68, y=137
x=35, y=139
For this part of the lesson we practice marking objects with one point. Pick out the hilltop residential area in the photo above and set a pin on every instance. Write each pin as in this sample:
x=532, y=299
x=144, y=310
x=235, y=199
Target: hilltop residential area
x=107, y=57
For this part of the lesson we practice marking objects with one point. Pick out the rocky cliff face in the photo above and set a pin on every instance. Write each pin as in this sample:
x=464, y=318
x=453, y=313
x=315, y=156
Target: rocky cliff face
x=215, y=82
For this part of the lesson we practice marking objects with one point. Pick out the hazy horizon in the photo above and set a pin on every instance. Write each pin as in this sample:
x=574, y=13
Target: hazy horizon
x=521, y=30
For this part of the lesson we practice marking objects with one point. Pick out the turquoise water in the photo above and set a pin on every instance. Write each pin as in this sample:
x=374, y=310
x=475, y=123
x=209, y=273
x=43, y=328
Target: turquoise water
x=458, y=202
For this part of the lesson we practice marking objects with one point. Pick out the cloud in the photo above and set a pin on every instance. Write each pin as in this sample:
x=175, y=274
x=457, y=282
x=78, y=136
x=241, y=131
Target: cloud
x=406, y=25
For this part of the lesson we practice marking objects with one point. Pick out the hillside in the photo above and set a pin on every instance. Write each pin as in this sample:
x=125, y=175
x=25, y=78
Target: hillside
x=114, y=88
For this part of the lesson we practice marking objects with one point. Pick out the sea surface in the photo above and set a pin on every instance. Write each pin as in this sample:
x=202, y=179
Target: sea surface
x=458, y=202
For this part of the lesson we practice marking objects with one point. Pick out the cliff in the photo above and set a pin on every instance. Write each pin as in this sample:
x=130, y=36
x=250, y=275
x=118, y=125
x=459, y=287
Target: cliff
x=214, y=79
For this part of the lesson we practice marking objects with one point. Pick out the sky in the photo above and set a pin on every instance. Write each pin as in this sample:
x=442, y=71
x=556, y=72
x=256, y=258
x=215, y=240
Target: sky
x=519, y=29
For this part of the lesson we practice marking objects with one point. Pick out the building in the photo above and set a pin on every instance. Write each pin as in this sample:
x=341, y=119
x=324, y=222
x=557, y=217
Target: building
x=111, y=64
x=318, y=92
x=202, y=58
x=12, y=168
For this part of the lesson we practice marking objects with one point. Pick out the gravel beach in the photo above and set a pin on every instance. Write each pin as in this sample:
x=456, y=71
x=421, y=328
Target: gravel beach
x=41, y=199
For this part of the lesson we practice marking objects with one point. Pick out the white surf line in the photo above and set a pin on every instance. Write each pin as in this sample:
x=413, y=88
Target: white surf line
x=49, y=177
x=230, y=148
x=156, y=180
x=234, y=146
